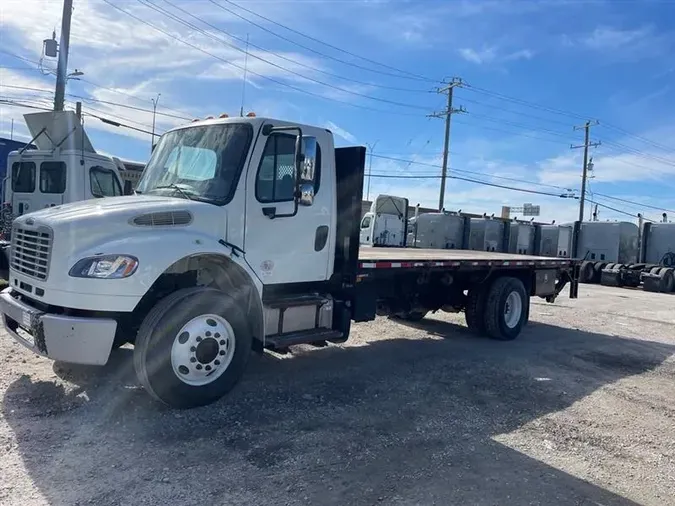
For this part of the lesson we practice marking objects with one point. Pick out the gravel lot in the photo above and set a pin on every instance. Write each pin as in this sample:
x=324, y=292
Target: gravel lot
x=579, y=410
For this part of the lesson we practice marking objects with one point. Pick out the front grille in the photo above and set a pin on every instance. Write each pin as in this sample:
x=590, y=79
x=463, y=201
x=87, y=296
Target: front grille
x=31, y=250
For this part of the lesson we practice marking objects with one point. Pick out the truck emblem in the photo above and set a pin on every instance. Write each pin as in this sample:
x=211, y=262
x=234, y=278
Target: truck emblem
x=266, y=267
x=30, y=221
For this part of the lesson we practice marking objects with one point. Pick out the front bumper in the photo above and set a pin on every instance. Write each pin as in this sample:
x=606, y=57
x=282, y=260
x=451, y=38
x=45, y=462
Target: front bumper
x=59, y=337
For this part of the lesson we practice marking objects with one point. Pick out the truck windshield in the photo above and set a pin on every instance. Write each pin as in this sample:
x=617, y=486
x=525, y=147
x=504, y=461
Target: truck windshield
x=199, y=162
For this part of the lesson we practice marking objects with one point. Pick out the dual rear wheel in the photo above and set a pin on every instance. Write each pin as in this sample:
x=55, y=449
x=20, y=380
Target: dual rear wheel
x=499, y=310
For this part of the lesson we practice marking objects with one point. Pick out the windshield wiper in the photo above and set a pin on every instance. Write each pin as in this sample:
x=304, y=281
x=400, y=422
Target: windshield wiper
x=175, y=187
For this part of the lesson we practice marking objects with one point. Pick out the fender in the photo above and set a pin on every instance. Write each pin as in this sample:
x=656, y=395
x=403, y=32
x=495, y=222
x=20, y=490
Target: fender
x=156, y=252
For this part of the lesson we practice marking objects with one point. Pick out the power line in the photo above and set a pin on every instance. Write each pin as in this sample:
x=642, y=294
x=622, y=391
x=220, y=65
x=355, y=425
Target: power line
x=476, y=181
x=118, y=124
x=276, y=81
x=633, y=215
x=268, y=62
x=409, y=75
x=278, y=55
x=518, y=113
x=643, y=139
x=92, y=83
x=97, y=101
x=641, y=153
x=463, y=171
x=638, y=204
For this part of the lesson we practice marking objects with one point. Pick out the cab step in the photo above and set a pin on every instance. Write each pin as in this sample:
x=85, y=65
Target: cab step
x=302, y=337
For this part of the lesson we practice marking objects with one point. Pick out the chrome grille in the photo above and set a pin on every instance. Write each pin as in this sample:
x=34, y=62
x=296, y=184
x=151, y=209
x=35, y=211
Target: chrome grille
x=31, y=250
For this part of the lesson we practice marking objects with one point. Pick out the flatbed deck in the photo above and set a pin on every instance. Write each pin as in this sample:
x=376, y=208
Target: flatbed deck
x=375, y=257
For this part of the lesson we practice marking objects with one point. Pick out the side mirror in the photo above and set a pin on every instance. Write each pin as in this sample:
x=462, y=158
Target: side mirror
x=128, y=190
x=307, y=171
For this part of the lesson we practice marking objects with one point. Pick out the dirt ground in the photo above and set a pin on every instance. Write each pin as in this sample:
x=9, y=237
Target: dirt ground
x=579, y=410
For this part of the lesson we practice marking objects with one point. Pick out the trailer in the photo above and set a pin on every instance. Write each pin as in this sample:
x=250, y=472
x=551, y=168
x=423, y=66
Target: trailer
x=655, y=266
x=212, y=260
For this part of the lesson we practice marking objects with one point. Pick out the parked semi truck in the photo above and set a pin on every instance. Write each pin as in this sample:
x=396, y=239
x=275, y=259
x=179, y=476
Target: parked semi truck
x=243, y=235
x=63, y=168
x=386, y=223
x=646, y=257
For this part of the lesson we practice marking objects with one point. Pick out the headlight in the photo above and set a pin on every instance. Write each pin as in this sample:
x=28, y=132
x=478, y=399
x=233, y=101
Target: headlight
x=105, y=267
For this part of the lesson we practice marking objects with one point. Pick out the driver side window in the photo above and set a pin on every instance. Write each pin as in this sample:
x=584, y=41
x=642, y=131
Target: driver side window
x=104, y=183
x=275, y=181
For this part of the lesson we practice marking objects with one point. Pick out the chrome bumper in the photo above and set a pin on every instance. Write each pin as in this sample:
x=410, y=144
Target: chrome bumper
x=58, y=337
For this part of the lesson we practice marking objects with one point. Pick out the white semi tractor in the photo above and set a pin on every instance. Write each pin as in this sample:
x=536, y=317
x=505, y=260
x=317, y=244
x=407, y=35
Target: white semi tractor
x=243, y=235
x=64, y=168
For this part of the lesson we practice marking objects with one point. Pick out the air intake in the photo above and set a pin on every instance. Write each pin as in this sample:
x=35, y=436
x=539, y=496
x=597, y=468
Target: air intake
x=163, y=219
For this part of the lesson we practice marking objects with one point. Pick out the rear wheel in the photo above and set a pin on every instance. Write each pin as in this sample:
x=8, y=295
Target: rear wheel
x=586, y=272
x=667, y=281
x=475, y=307
x=506, y=309
x=192, y=347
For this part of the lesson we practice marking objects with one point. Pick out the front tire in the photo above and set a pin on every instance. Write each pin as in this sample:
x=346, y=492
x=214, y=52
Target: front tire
x=192, y=347
x=506, y=309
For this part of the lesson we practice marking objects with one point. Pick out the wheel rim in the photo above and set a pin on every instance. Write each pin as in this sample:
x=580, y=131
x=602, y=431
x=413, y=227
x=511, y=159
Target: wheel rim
x=202, y=350
x=513, y=309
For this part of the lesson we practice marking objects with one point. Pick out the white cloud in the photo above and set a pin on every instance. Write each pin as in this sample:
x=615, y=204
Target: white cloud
x=608, y=38
x=485, y=55
x=340, y=132
x=491, y=54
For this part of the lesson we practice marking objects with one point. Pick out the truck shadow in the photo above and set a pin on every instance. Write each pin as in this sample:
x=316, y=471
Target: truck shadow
x=395, y=421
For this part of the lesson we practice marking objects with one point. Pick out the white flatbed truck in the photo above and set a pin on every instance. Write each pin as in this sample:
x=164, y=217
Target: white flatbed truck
x=243, y=235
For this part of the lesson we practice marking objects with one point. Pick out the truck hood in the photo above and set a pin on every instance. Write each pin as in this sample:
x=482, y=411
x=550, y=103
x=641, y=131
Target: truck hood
x=114, y=208
x=96, y=221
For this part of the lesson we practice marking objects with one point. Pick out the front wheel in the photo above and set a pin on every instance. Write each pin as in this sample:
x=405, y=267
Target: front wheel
x=506, y=309
x=192, y=347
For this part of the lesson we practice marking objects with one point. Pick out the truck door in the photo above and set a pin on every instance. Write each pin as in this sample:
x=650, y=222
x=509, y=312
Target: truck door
x=22, y=187
x=367, y=225
x=287, y=249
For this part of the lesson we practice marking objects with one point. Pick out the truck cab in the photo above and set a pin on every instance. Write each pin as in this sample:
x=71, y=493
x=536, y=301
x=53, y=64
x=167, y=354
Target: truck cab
x=63, y=168
x=44, y=178
x=386, y=222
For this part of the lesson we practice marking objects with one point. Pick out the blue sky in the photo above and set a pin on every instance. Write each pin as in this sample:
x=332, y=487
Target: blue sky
x=532, y=70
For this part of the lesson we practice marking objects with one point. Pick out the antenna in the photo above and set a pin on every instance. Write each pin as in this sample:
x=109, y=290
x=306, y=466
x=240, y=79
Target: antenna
x=243, y=85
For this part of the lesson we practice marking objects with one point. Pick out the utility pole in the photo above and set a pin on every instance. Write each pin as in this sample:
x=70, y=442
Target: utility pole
x=584, y=175
x=371, y=148
x=62, y=67
x=447, y=114
x=155, y=101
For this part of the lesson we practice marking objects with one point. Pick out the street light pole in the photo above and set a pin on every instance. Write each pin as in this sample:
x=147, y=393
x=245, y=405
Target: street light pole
x=155, y=101
x=370, y=166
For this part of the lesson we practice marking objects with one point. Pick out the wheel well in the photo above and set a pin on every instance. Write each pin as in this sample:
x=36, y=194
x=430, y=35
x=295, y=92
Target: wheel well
x=204, y=270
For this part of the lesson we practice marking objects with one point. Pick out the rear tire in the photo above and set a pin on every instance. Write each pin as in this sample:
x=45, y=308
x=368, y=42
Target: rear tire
x=475, y=307
x=506, y=309
x=192, y=347
x=667, y=281
x=587, y=272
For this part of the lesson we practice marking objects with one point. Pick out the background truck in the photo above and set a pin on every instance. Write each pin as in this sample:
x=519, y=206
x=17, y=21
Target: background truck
x=641, y=254
x=218, y=255
x=63, y=167
x=386, y=223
